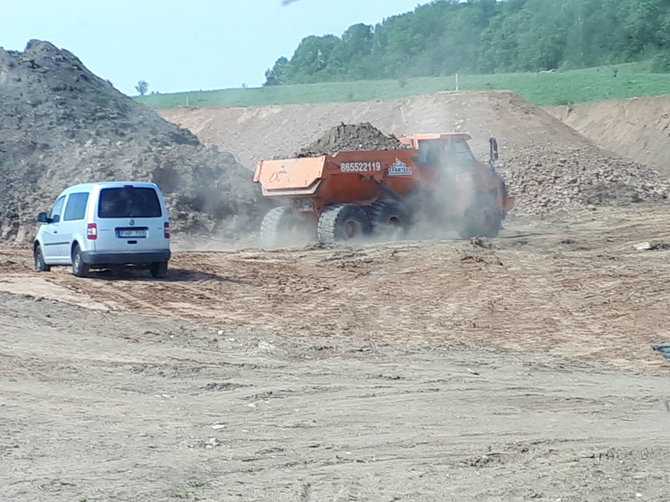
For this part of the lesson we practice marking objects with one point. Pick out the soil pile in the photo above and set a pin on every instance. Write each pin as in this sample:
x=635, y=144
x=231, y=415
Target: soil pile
x=63, y=125
x=636, y=128
x=547, y=164
x=351, y=137
x=544, y=179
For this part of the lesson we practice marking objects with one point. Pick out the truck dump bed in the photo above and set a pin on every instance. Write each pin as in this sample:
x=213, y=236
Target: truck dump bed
x=347, y=177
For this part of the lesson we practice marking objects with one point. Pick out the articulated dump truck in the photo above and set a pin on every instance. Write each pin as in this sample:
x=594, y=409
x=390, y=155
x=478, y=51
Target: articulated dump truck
x=435, y=183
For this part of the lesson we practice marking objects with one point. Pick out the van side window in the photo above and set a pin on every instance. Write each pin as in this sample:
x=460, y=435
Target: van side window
x=129, y=202
x=76, y=206
x=54, y=214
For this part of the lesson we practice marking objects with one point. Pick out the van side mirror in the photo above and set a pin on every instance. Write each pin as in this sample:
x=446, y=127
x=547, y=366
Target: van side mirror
x=42, y=218
x=493, y=143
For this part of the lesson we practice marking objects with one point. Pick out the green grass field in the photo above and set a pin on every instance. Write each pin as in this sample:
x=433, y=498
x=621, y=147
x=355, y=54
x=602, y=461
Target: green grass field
x=555, y=88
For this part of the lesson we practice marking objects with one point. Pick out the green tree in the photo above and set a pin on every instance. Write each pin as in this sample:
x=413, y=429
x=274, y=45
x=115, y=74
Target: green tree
x=315, y=60
x=277, y=75
x=142, y=87
x=447, y=36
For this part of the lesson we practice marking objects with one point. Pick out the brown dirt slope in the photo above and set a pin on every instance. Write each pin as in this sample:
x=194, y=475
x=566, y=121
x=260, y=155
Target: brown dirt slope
x=63, y=125
x=637, y=128
x=547, y=164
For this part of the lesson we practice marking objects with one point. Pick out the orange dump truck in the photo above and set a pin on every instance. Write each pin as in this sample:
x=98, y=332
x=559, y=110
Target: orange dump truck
x=435, y=184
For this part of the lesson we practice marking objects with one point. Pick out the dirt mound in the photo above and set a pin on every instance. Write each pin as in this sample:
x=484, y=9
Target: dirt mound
x=63, y=125
x=636, y=128
x=572, y=177
x=547, y=164
x=351, y=137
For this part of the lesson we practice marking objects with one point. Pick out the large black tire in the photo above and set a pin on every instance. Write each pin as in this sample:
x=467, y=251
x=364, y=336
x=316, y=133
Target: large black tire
x=158, y=269
x=79, y=268
x=343, y=222
x=390, y=219
x=281, y=227
x=40, y=265
x=482, y=219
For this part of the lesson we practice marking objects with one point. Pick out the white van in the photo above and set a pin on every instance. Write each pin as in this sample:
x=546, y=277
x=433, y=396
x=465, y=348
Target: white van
x=97, y=225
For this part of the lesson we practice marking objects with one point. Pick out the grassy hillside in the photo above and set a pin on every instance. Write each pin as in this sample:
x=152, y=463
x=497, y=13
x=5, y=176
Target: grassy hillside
x=555, y=88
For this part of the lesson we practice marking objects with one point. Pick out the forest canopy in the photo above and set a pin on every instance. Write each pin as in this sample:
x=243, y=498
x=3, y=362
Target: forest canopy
x=486, y=36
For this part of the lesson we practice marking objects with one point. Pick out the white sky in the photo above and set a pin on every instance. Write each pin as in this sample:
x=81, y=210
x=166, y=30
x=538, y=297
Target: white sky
x=181, y=45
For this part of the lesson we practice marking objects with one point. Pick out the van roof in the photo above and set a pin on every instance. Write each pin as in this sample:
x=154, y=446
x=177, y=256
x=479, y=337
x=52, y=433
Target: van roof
x=87, y=187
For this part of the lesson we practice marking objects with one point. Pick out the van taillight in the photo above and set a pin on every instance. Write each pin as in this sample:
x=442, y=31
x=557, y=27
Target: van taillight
x=92, y=231
x=166, y=229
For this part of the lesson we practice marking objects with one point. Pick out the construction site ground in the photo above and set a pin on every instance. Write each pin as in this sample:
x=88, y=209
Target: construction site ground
x=510, y=369
x=517, y=368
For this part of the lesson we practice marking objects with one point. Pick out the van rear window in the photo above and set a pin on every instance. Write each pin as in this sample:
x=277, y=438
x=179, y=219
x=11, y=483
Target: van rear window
x=129, y=202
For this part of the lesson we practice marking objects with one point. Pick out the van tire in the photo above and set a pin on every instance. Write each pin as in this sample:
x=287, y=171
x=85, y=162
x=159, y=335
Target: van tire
x=40, y=265
x=79, y=268
x=159, y=269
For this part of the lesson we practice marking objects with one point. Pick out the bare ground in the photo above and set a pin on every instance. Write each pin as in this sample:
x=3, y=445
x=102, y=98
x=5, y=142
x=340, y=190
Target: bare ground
x=516, y=368
x=636, y=128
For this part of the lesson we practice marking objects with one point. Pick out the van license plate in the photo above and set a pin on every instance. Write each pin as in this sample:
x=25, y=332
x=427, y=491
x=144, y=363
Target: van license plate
x=132, y=233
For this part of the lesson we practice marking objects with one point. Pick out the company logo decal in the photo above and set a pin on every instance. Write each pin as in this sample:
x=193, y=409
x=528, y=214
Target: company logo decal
x=399, y=168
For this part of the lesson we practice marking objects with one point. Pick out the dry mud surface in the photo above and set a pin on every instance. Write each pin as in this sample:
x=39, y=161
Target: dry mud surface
x=516, y=368
x=637, y=128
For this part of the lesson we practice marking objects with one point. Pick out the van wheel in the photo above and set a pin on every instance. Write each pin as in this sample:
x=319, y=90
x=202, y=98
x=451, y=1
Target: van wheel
x=79, y=268
x=159, y=269
x=40, y=265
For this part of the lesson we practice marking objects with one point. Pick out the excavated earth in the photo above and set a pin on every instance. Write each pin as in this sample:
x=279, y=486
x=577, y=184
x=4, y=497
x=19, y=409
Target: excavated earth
x=60, y=125
x=350, y=137
x=546, y=164
x=516, y=368
x=636, y=128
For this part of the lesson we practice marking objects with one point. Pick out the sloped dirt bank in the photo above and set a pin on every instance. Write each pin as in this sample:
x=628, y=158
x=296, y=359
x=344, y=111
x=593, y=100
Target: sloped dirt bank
x=637, y=128
x=547, y=165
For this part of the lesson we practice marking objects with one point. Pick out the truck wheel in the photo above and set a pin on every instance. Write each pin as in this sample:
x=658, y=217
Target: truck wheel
x=79, y=268
x=390, y=219
x=40, y=265
x=281, y=227
x=482, y=219
x=343, y=222
x=158, y=269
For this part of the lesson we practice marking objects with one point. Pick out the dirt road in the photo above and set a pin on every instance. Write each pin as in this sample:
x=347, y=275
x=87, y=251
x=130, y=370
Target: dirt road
x=518, y=368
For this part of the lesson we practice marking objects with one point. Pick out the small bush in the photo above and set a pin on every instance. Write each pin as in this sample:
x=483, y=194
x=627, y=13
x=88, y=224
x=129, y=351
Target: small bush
x=660, y=63
x=563, y=101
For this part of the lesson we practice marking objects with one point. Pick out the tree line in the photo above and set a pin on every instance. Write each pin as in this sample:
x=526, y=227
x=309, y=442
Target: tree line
x=444, y=37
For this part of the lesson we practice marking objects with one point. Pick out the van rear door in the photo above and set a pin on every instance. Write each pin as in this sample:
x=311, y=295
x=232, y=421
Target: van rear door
x=130, y=219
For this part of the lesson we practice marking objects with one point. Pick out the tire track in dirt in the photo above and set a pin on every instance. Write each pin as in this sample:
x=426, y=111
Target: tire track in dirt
x=572, y=286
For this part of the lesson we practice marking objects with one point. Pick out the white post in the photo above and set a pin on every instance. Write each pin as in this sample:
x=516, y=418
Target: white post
x=457, y=81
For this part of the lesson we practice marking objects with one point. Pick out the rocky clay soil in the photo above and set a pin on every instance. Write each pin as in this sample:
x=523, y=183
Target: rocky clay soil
x=350, y=137
x=546, y=164
x=60, y=125
x=517, y=368
x=636, y=128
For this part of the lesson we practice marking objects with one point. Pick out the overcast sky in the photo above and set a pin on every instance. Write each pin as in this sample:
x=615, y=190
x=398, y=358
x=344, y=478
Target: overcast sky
x=184, y=45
